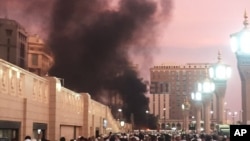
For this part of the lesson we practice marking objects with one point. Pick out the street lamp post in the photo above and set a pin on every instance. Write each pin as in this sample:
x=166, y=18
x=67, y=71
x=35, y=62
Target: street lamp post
x=120, y=114
x=240, y=44
x=211, y=112
x=226, y=112
x=220, y=73
x=233, y=114
x=164, y=118
x=206, y=88
x=147, y=112
x=240, y=116
x=197, y=98
x=212, y=122
x=122, y=123
x=186, y=107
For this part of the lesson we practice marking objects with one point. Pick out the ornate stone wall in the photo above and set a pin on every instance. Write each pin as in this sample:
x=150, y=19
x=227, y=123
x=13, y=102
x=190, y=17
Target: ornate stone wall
x=32, y=101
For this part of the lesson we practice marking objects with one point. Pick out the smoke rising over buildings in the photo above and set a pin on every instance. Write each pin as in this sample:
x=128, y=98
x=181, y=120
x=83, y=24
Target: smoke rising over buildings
x=92, y=42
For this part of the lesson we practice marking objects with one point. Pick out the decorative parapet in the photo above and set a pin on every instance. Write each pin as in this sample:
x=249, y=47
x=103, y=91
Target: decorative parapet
x=29, y=98
x=17, y=82
x=71, y=101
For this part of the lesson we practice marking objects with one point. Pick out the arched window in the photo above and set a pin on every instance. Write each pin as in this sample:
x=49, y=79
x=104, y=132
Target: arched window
x=178, y=126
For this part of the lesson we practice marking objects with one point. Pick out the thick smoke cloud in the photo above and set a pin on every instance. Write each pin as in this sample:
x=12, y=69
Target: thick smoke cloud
x=92, y=42
x=91, y=45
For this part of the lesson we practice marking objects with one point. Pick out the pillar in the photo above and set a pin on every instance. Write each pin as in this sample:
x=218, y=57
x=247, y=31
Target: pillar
x=198, y=119
x=207, y=108
x=186, y=121
x=244, y=67
x=220, y=96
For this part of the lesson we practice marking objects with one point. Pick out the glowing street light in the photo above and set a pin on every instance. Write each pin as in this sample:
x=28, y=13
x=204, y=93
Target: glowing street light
x=220, y=73
x=240, y=45
x=164, y=118
x=197, y=98
x=122, y=123
x=206, y=88
x=186, y=107
x=147, y=112
x=120, y=113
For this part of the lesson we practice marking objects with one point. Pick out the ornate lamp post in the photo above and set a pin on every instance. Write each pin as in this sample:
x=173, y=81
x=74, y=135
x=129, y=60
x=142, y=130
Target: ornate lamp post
x=186, y=107
x=164, y=118
x=120, y=114
x=240, y=44
x=147, y=114
x=226, y=113
x=233, y=114
x=122, y=123
x=206, y=88
x=197, y=98
x=220, y=73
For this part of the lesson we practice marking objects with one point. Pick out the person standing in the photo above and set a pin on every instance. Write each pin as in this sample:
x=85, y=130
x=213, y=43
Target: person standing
x=27, y=138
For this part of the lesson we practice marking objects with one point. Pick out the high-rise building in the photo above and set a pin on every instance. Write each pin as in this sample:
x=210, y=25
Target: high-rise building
x=159, y=106
x=40, y=58
x=13, y=42
x=178, y=82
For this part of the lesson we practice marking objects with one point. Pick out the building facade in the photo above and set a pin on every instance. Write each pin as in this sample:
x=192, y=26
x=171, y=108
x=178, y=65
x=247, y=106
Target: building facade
x=40, y=58
x=178, y=82
x=159, y=106
x=42, y=108
x=13, y=43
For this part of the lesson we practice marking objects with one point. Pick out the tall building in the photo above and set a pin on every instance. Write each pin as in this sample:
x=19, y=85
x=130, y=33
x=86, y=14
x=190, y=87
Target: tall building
x=40, y=59
x=13, y=42
x=178, y=82
x=159, y=106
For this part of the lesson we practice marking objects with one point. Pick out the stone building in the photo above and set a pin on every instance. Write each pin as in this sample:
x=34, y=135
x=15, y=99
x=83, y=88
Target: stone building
x=169, y=85
x=13, y=42
x=40, y=58
x=41, y=107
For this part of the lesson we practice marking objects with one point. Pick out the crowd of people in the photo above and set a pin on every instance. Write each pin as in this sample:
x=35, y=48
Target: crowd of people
x=143, y=136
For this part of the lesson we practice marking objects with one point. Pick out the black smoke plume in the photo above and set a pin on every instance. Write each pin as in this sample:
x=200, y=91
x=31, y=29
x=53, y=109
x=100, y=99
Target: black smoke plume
x=91, y=45
x=92, y=42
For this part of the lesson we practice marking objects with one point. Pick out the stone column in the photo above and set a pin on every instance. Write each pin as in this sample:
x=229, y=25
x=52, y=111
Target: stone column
x=186, y=119
x=220, y=96
x=186, y=108
x=207, y=108
x=198, y=119
x=243, y=63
